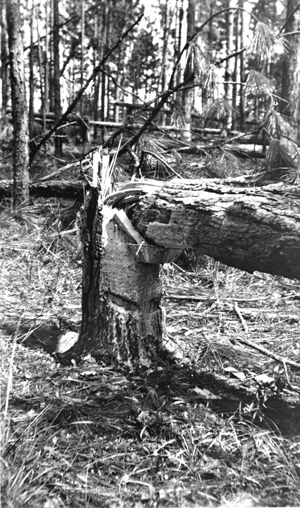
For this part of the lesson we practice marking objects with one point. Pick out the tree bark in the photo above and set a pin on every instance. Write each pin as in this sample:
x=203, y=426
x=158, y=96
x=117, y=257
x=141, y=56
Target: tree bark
x=289, y=134
x=56, y=76
x=290, y=66
x=188, y=94
x=32, y=84
x=248, y=228
x=122, y=316
x=19, y=104
x=82, y=56
x=4, y=61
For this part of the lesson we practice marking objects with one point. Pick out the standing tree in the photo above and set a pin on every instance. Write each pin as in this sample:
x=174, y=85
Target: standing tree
x=144, y=57
x=4, y=59
x=188, y=91
x=46, y=104
x=19, y=104
x=56, y=74
x=290, y=105
x=166, y=23
x=32, y=84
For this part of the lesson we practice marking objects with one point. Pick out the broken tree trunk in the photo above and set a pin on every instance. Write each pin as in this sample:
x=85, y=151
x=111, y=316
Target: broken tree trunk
x=122, y=316
x=249, y=228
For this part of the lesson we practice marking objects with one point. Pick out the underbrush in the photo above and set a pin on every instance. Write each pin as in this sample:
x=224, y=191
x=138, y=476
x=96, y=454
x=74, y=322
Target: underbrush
x=215, y=424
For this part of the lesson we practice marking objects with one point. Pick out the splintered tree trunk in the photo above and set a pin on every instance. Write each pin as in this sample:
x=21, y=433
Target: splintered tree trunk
x=122, y=317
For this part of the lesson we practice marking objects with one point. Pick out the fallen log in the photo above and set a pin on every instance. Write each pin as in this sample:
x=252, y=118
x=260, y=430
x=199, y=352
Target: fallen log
x=52, y=188
x=251, y=228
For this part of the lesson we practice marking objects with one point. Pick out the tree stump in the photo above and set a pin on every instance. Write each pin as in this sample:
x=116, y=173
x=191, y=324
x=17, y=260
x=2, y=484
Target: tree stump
x=122, y=314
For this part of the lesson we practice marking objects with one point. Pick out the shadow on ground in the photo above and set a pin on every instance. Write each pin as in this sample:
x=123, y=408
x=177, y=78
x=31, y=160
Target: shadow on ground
x=170, y=381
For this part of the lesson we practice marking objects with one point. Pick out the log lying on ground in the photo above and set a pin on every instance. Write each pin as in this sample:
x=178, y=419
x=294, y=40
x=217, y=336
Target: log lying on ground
x=52, y=188
x=248, y=228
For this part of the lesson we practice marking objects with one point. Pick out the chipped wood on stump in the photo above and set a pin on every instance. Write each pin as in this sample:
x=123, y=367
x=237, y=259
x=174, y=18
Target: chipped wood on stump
x=122, y=318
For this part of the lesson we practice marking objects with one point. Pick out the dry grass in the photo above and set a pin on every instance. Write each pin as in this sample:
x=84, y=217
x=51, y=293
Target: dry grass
x=204, y=430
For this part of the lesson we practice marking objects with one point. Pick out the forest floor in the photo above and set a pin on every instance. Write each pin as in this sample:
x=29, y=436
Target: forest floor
x=216, y=424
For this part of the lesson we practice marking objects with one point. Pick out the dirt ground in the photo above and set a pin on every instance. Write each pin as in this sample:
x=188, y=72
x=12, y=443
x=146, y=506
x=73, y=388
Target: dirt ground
x=215, y=423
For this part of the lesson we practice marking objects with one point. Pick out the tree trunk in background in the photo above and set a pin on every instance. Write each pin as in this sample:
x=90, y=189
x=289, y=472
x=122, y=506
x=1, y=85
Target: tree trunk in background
x=50, y=56
x=103, y=76
x=46, y=104
x=19, y=104
x=164, y=45
x=177, y=48
x=4, y=61
x=108, y=34
x=97, y=77
x=188, y=93
x=56, y=76
x=96, y=103
x=235, y=67
x=118, y=96
x=40, y=65
x=241, y=44
x=230, y=61
x=82, y=55
x=31, y=77
x=290, y=106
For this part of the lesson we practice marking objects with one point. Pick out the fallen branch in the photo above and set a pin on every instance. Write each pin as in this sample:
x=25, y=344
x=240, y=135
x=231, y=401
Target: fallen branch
x=262, y=349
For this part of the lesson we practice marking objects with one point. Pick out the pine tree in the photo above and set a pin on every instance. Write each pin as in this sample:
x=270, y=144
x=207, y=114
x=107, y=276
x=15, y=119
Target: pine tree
x=19, y=104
